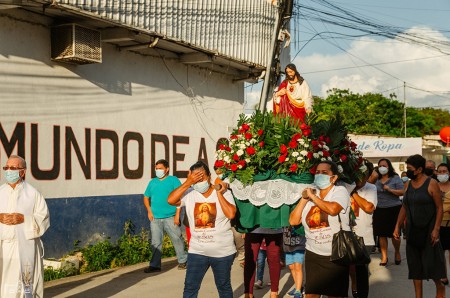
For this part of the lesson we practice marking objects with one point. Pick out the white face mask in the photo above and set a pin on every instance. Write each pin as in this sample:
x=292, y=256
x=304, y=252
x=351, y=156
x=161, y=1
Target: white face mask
x=383, y=170
x=442, y=178
x=160, y=173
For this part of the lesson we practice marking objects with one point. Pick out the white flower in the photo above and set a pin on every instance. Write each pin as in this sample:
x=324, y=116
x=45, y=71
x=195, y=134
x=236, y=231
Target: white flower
x=363, y=168
x=323, y=159
x=325, y=147
x=329, y=158
x=340, y=169
x=240, y=152
x=300, y=158
x=320, y=153
x=247, y=160
x=226, y=159
x=287, y=159
x=316, y=155
x=253, y=141
x=242, y=146
x=295, y=154
x=239, y=167
x=301, y=141
x=304, y=152
x=247, y=143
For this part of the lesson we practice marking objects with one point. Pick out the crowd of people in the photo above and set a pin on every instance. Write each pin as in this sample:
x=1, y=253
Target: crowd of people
x=376, y=211
x=378, y=206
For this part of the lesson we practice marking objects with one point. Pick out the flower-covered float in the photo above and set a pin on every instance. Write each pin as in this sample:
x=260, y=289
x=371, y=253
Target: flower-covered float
x=269, y=160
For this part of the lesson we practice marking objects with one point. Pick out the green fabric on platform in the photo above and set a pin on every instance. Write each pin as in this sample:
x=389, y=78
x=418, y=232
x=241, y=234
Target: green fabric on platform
x=249, y=216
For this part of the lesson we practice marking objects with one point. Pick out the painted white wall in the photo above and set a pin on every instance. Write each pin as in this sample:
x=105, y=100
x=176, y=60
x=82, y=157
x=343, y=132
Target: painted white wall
x=127, y=92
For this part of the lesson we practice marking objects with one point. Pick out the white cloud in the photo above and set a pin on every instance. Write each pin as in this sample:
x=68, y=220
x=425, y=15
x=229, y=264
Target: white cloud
x=425, y=68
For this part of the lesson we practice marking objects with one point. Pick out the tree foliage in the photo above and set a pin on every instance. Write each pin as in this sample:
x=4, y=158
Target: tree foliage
x=375, y=114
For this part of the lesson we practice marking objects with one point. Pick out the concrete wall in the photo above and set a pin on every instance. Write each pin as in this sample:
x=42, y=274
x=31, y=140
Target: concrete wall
x=91, y=133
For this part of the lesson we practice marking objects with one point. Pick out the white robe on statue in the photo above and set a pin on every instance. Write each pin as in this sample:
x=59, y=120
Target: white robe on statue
x=21, y=250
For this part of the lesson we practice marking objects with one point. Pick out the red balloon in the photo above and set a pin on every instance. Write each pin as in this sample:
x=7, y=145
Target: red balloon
x=444, y=133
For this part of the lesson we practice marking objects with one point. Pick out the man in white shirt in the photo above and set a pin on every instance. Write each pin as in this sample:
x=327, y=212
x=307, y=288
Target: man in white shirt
x=24, y=218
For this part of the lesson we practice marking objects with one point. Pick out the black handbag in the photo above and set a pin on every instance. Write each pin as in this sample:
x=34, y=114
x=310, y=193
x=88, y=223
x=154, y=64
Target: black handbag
x=348, y=248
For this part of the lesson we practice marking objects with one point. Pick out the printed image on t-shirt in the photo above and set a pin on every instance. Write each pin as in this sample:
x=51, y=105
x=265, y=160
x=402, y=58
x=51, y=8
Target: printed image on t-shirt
x=355, y=207
x=205, y=215
x=317, y=219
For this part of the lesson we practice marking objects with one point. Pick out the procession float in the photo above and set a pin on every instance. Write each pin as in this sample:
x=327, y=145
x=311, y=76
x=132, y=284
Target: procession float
x=269, y=159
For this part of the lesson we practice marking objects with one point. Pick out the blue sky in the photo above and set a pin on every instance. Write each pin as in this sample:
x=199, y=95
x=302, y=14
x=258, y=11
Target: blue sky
x=373, y=63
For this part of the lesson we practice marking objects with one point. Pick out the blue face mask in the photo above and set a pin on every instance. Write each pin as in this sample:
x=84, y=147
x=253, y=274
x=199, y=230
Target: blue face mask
x=322, y=181
x=160, y=173
x=12, y=176
x=202, y=186
x=405, y=179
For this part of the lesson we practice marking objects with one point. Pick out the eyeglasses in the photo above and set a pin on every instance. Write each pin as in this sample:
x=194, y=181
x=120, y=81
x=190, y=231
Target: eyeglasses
x=12, y=168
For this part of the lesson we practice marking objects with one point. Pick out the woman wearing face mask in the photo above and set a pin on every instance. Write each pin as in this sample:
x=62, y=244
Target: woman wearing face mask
x=389, y=189
x=444, y=185
x=318, y=212
x=209, y=212
x=422, y=208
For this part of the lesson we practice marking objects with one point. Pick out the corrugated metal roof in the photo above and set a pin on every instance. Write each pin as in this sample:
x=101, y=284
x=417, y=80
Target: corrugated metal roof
x=239, y=29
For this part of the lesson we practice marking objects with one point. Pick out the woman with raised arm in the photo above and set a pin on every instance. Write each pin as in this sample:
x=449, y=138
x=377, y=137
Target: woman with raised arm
x=209, y=212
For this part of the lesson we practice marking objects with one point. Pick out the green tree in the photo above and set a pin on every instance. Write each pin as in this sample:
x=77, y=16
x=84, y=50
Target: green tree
x=373, y=113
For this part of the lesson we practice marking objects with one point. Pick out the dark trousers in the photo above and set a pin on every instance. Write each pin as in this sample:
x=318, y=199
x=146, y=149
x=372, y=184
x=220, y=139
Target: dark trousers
x=362, y=278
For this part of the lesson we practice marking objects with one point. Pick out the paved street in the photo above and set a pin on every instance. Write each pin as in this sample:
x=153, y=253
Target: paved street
x=131, y=281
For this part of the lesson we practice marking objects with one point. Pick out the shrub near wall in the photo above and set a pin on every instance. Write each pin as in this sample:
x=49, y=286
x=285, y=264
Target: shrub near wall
x=130, y=249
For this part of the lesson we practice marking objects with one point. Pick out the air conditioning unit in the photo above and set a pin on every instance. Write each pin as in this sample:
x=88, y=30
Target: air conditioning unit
x=75, y=44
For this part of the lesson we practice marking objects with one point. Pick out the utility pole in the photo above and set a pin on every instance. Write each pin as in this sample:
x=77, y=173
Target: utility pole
x=404, y=105
x=273, y=62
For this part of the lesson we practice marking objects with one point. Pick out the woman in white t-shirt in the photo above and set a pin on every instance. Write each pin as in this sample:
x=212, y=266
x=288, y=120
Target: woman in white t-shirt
x=363, y=202
x=318, y=212
x=209, y=212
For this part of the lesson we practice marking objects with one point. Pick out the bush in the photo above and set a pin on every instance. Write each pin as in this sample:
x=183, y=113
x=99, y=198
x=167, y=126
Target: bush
x=130, y=249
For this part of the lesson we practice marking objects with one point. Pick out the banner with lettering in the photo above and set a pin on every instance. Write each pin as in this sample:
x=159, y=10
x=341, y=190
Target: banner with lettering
x=388, y=147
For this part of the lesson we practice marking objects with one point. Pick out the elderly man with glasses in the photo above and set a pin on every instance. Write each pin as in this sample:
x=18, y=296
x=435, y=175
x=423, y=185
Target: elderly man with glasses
x=24, y=218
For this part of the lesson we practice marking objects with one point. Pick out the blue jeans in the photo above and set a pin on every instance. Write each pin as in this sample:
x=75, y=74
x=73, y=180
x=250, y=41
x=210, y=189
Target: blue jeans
x=196, y=270
x=261, y=263
x=157, y=227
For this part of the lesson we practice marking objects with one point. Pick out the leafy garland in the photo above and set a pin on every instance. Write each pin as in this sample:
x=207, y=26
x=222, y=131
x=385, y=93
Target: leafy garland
x=263, y=142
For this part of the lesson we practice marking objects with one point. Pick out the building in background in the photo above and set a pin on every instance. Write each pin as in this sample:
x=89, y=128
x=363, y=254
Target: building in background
x=94, y=92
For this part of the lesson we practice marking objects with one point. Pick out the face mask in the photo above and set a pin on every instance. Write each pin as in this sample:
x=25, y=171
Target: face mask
x=160, y=173
x=12, y=176
x=442, y=178
x=428, y=172
x=410, y=174
x=322, y=181
x=201, y=187
x=405, y=178
x=383, y=170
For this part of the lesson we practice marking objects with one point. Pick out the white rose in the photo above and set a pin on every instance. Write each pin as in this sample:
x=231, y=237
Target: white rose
x=226, y=159
x=326, y=147
x=304, y=152
x=247, y=143
x=287, y=159
x=316, y=155
x=323, y=159
x=363, y=168
x=240, y=152
x=300, y=158
x=295, y=154
x=340, y=169
x=247, y=160
x=301, y=141
x=242, y=146
x=320, y=153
